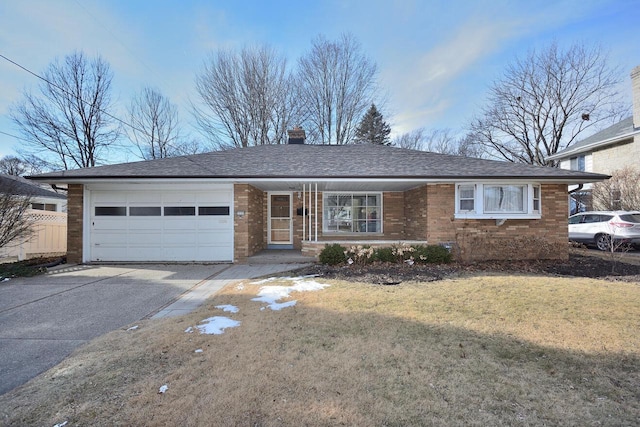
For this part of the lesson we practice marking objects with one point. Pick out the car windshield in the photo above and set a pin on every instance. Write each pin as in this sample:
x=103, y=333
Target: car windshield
x=631, y=217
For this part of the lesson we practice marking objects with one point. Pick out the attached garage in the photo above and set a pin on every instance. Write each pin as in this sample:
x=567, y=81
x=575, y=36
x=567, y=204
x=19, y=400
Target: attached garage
x=147, y=223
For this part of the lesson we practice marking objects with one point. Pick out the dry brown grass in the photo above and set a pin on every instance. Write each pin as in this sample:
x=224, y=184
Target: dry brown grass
x=482, y=350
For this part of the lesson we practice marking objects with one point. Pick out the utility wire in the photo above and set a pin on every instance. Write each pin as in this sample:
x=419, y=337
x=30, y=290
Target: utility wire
x=15, y=136
x=72, y=95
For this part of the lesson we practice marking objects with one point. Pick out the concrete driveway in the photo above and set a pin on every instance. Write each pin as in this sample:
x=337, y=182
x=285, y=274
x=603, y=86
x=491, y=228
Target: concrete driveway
x=44, y=318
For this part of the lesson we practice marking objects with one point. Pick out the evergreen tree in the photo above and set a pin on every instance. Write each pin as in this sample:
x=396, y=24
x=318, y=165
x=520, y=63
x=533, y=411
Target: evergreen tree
x=373, y=128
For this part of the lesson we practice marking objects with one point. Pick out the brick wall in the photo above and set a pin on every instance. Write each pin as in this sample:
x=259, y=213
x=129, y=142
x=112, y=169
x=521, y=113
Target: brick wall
x=250, y=230
x=479, y=239
x=415, y=213
x=421, y=214
x=617, y=156
x=75, y=202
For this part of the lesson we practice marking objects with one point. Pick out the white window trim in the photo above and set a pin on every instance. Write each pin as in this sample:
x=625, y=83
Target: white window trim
x=478, y=212
x=353, y=193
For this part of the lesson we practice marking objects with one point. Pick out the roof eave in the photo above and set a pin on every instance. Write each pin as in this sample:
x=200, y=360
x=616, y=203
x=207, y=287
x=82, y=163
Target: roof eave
x=590, y=147
x=576, y=179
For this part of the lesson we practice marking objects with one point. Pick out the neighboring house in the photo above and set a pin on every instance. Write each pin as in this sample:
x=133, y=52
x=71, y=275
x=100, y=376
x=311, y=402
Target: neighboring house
x=48, y=212
x=41, y=198
x=610, y=149
x=229, y=205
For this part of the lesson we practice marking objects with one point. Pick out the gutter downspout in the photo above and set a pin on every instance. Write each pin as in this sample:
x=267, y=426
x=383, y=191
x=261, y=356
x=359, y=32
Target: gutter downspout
x=578, y=188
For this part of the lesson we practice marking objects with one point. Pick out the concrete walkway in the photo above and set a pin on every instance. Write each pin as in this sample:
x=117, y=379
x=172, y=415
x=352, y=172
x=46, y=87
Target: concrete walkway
x=197, y=295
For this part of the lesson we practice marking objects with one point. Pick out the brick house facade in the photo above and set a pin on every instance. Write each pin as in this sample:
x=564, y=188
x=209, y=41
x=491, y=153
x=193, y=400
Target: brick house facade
x=152, y=211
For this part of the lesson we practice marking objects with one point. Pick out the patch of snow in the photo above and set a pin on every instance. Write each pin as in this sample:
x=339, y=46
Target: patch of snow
x=61, y=424
x=216, y=325
x=279, y=306
x=163, y=389
x=133, y=328
x=228, y=308
x=6, y=279
x=198, y=351
x=271, y=294
x=189, y=330
x=240, y=287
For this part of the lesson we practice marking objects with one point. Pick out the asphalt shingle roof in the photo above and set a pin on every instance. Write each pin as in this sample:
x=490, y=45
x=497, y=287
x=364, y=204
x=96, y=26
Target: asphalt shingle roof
x=22, y=187
x=318, y=161
x=612, y=133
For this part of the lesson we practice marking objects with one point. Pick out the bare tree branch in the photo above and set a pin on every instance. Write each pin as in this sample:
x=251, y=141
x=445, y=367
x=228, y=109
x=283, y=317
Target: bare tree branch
x=15, y=223
x=547, y=101
x=154, y=123
x=247, y=98
x=336, y=83
x=68, y=124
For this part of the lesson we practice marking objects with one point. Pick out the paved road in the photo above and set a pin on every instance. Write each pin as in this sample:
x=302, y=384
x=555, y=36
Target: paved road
x=44, y=318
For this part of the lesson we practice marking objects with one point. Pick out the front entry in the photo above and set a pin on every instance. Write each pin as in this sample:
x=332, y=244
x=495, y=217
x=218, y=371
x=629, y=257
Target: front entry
x=280, y=221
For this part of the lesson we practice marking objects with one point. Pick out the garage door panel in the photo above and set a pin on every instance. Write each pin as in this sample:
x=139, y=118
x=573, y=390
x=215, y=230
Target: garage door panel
x=178, y=197
x=213, y=198
x=214, y=237
x=161, y=238
x=144, y=239
x=152, y=225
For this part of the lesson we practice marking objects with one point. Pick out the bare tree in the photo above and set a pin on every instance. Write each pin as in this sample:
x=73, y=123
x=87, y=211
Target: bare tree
x=15, y=223
x=546, y=101
x=154, y=124
x=336, y=84
x=414, y=140
x=442, y=141
x=12, y=165
x=69, y=123
x=620, y=192
x=247, y=98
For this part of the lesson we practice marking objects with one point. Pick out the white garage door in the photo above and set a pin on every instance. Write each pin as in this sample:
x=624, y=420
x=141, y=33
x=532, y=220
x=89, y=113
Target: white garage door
x=168, y=225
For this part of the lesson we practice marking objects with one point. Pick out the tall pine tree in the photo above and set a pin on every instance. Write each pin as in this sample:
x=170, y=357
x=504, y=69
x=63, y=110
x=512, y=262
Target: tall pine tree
x=373, y=129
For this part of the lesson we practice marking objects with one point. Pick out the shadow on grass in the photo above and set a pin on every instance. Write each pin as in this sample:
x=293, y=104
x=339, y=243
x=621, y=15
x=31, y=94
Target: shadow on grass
x=311, y=366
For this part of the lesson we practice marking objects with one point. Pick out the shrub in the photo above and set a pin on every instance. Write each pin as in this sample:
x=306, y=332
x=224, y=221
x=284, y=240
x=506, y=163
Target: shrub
x=360, y=254
x=432, y=254
x=384, y=254
x=333, y=254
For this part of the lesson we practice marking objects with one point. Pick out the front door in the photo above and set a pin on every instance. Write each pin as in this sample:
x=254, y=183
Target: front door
x=280, y=219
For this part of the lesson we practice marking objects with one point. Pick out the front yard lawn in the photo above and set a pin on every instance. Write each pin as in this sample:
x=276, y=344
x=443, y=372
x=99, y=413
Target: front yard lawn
x=479, y=349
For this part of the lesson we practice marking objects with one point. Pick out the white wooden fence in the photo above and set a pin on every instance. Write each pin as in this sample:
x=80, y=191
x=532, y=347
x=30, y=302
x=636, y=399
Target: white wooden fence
x=49, y=238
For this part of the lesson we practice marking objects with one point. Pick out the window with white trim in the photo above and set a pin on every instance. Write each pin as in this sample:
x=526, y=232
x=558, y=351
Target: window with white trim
x=495, y=200
x=352, y=213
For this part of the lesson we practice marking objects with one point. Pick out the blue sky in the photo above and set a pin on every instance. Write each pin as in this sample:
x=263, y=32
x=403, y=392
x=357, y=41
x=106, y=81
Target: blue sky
x=436, y=59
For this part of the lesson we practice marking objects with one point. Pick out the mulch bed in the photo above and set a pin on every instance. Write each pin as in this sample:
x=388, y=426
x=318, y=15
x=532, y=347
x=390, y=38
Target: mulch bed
x=578, y=265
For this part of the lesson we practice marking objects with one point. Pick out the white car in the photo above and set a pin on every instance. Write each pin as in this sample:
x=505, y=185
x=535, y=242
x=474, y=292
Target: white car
x=598, y=228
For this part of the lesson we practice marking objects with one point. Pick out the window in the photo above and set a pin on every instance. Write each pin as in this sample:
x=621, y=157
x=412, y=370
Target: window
x=536, y=198
x=51, y=207
x=179, y=211
x=577, y=163
x=111, y=211
x=352, y=213
x=504, y=198
x=213, y=210
x=145, y=211
x=466, y=198
x=498, y=201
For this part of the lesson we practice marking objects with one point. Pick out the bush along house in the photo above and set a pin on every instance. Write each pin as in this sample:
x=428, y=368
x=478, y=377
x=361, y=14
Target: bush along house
x=226, y=206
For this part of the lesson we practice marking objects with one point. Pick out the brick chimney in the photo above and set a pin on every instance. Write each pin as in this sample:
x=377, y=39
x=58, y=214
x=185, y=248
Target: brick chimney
x=298, y=136
x=635, y=90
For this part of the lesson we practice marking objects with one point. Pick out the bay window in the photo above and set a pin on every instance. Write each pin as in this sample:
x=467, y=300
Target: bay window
x=490, y=200
x=352, y=213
